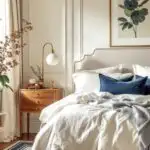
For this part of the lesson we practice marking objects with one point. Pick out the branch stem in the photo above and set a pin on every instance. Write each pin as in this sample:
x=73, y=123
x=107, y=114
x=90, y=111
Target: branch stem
x=135, y=31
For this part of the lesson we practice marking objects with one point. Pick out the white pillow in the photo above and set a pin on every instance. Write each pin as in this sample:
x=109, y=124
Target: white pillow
x=89, y=81
x=86, y=82
x=141, y=70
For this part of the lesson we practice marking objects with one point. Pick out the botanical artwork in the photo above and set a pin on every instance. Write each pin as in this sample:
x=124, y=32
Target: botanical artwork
x=135, y=13
x=129, y=23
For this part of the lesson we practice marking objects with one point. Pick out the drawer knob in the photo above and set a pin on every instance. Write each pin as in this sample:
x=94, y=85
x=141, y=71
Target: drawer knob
x=37, y=108
x=38, y=102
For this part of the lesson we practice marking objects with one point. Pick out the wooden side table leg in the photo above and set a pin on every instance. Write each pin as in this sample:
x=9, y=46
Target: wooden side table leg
x=21, y=114
x=28, y=124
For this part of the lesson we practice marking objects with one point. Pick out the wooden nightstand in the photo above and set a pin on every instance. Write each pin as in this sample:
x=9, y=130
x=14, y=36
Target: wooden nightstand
x=33, y=101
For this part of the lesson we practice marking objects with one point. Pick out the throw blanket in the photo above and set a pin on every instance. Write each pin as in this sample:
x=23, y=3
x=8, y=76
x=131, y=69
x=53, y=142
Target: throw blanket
x=138, y=112
x=96, y=121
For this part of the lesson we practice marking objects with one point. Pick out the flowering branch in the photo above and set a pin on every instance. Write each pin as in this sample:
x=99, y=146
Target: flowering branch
x=10, y=48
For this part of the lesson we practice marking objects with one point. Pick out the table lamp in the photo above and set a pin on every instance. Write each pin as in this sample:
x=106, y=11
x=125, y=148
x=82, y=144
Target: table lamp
x=51, y=58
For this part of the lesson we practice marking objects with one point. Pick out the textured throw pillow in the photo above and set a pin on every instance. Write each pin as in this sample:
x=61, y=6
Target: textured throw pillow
x=114, y=86
x=120, y=76
x=126, y=68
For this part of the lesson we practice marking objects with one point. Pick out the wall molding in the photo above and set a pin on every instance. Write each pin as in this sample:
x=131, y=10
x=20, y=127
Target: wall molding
x=80, y=24
x=81, y=27
x=66, y=47
x=72, y=62
x=69, y=44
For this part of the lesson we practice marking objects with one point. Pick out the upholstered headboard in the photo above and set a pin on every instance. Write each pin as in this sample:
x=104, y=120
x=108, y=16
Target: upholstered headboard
x=105, y=57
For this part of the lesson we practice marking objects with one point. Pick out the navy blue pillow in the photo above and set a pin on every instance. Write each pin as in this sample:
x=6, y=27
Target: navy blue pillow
x=147, y=84
x=114, y=86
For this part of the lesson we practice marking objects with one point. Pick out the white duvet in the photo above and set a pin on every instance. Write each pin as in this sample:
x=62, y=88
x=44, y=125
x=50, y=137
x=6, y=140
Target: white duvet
x=76, y=124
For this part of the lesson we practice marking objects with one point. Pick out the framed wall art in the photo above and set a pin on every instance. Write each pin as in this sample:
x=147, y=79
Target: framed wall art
x=129, y=23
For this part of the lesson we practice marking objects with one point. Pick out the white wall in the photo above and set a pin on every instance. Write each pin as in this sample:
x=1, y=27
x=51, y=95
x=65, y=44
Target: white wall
x=74, y=27
x=93, y=22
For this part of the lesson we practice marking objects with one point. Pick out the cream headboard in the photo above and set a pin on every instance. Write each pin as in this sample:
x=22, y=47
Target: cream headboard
x=113, y=56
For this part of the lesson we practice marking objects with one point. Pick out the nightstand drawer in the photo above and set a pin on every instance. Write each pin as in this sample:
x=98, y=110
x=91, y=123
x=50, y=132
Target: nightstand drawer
x=38, y=99
x=44, y=101
x=38, y=94
x=36, y=103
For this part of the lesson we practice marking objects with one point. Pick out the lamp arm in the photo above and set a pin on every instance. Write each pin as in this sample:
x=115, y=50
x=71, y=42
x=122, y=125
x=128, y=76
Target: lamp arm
x=48, y=43
x=43, y=51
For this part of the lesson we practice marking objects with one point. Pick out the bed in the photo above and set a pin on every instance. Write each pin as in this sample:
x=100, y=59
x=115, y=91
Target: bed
x=106, y=111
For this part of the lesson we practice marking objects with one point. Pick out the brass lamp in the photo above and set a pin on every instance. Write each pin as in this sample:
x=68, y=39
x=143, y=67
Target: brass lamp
x=51, y=58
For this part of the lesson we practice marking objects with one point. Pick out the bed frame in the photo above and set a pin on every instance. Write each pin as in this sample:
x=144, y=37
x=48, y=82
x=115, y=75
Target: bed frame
x=105, y=57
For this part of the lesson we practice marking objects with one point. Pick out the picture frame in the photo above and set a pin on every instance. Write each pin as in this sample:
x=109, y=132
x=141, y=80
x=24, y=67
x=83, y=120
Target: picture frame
x=124, y=34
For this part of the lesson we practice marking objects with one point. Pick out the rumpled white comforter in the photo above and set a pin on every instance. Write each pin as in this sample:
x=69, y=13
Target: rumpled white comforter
x=76, y=123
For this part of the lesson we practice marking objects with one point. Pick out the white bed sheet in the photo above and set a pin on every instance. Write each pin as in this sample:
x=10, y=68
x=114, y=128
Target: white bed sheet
x=73, y=126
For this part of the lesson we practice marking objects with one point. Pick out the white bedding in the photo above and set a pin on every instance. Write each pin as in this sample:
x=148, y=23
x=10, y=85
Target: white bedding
x=70, y=125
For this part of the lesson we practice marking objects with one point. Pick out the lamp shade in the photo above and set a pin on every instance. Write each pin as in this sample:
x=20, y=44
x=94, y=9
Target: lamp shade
x=52, y=59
